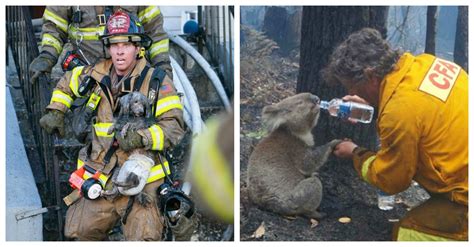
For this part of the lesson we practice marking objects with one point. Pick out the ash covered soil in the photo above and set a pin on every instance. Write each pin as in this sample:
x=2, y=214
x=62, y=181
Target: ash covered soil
x=266, y=78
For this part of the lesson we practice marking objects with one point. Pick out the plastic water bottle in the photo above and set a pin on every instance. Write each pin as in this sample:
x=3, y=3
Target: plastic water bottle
x=348, y=110
x=385, y=201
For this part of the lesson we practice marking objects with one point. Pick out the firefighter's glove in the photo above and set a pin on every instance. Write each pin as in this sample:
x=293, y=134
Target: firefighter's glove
x=132, y=140
x=134, y=174
x=44, y=63
x=53, y=120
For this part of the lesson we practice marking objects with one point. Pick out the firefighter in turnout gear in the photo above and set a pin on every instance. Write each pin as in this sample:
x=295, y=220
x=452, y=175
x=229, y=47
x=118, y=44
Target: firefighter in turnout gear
x=422, y=123
x=127, y=71
x=82, y=27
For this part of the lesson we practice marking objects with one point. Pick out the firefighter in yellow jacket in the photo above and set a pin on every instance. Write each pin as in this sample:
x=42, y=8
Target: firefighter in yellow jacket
x=82, y=26
x=422, y=104
x=125, y=72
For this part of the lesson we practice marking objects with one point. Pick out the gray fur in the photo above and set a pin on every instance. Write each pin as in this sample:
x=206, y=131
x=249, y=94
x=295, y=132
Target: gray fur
x=135, y=113
x=283, y=168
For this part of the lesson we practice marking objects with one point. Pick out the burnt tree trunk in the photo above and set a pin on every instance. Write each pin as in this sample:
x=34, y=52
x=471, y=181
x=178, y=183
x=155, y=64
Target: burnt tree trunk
x=431, y=19
x=460, y=44
x=323, y=28
x=279, y=25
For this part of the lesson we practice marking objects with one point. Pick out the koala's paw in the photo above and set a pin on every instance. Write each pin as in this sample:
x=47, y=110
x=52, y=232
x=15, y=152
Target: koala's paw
x=144, y=199
x=334, y=143
x=317, y=215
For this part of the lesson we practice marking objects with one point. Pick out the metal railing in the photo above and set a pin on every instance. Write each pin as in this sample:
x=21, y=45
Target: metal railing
x=217, y=22
x=21, y=39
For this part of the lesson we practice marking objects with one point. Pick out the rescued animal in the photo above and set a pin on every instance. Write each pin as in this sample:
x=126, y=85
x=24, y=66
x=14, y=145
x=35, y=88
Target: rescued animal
x=135, y=114
x=283, y=168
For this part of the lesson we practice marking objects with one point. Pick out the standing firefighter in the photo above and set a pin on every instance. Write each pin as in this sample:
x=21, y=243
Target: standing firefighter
x=423, y=127
x=82, y=26
x=136, y=154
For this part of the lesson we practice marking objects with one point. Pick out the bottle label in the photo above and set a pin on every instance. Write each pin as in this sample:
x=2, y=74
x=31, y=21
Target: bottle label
x=344, y=111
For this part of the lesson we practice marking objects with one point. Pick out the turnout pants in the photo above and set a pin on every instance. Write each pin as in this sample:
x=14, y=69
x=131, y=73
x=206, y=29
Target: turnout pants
x=93, y=219
x=438, y=219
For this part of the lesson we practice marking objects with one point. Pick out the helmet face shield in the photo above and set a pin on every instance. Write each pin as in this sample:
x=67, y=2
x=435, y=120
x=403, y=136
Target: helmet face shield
x=122, y=27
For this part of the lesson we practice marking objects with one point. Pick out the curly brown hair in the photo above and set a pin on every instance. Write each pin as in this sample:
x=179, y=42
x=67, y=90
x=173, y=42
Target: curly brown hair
x=361, y=50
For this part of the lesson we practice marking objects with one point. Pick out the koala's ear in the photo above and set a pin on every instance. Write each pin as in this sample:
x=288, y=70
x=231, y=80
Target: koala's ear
x=270, y=117
x=270, y=110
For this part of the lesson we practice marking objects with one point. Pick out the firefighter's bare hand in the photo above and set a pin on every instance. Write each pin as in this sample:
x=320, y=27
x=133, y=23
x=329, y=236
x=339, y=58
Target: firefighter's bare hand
x=132, y=140
x=344, y=149
x=357, y=99
x=53, y=120
x=44, y=63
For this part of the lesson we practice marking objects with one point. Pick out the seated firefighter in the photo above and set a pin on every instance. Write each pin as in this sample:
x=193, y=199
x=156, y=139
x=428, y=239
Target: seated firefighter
x=105, y=83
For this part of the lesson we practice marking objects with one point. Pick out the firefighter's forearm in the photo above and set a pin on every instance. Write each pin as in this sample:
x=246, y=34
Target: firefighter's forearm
x=166, y=132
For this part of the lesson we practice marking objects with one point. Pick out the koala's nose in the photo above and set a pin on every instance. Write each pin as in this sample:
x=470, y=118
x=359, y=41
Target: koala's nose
x=315, y=99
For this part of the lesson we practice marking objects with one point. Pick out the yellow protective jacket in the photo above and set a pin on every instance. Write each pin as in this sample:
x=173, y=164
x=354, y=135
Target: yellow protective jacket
x=423, y=129
x=167, y=131
x=59, y=28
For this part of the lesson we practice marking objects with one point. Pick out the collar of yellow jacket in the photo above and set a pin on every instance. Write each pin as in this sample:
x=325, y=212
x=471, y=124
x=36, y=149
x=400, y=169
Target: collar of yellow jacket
x=103, y=68
x=391, y=81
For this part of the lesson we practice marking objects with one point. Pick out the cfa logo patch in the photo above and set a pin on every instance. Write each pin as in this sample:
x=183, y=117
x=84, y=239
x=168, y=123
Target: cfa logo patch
x=440, y=79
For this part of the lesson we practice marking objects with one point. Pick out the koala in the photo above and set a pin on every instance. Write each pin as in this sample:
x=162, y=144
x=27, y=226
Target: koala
x=283, y=167
x=135, y=113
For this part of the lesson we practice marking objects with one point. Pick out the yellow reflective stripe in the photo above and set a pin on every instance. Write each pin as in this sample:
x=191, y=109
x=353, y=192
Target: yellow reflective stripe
x=149, y=13
x=101, y=129
x=406, y=234
x=165, y=104
x=74, y=82
x=50, y=40
x=60, y=22
x=157, y=172
x=80, y=163
x=61, y=97
x=87, y=33
x=159, y=47
x=157, y=137
x=102, y=178
x=210, y=163
x=365, y=168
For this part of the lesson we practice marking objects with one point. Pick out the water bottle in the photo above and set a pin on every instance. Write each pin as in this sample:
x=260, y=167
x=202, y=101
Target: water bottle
x=385, y=201
x=348, y=110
